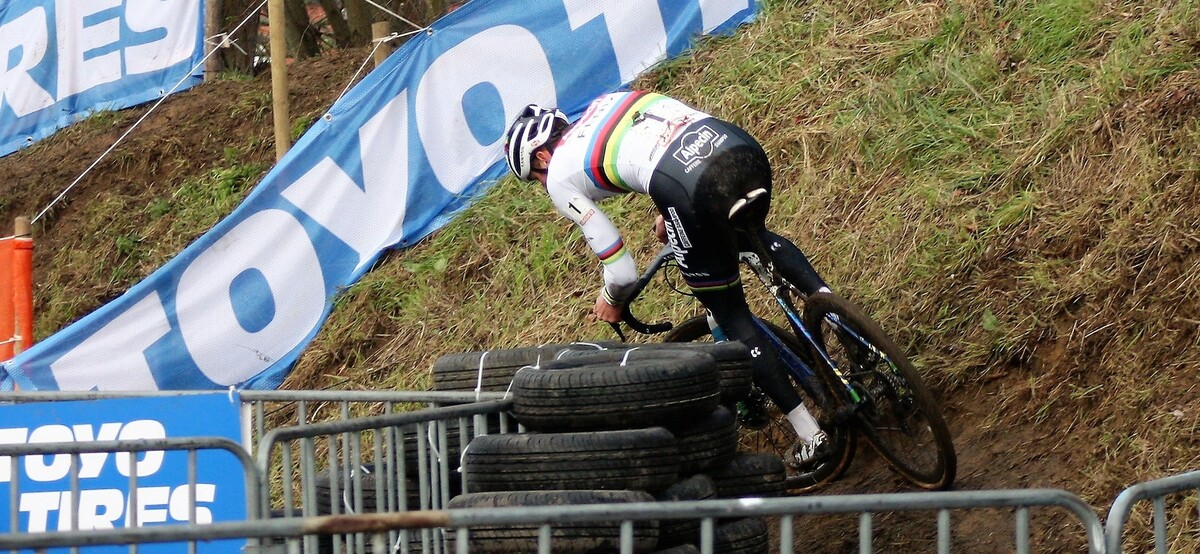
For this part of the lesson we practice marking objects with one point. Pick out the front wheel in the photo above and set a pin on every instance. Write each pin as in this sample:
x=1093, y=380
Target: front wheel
x=778, y=436
x=896, y=411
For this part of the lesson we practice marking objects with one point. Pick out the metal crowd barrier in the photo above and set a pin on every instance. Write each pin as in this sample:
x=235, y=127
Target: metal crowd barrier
x=1156, y=492
x=378, y=464
x=69, y=509
x=380, y=529
x=402, y=464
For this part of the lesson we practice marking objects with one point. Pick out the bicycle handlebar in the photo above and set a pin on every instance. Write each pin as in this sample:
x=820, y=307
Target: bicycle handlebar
x=664, y=254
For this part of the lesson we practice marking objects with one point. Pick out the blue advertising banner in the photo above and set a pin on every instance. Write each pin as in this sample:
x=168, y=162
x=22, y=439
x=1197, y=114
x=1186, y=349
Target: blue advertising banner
x=42, y=491
x=404, y=151
x=60, y=61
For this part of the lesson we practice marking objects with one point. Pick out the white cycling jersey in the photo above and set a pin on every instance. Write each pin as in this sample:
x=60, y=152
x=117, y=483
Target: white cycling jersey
x=613, y=149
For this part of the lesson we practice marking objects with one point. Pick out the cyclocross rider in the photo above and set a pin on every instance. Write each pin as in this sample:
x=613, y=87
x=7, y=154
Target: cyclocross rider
x=707, y=177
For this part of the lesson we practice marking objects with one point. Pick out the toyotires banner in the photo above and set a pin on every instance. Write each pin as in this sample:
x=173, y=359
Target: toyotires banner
x=63, y=59
x=97, y=489
x=397, y=157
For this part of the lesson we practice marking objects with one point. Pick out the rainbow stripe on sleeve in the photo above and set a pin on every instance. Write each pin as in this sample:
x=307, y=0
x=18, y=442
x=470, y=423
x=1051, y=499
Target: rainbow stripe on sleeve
x=612, y=253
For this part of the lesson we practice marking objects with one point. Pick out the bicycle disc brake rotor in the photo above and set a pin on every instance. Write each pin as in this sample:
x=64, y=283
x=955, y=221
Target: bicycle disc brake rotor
x=875, y=379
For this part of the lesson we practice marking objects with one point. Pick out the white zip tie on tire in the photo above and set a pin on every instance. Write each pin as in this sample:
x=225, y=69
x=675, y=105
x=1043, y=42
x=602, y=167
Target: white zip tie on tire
x=346, y=503
x=625, y=358
x=597, y=346
x=433, y=440
x=479, y=381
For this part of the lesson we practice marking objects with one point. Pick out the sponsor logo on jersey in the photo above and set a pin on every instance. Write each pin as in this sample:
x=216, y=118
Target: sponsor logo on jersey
x=696, y=146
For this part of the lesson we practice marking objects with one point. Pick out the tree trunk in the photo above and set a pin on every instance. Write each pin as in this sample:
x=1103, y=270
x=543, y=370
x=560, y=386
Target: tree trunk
x=246, y=41
x=303, y=37
x=358, y=15
x=337, y=23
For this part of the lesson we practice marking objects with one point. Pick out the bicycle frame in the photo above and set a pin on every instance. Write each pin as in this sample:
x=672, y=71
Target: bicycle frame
x=774, y=285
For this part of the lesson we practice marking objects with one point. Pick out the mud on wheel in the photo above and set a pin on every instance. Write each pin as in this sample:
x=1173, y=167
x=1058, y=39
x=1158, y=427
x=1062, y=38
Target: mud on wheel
x=778, y=436
x=898, y=415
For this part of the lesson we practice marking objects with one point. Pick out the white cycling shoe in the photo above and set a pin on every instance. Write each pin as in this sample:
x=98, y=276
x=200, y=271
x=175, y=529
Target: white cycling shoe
x=805, y=455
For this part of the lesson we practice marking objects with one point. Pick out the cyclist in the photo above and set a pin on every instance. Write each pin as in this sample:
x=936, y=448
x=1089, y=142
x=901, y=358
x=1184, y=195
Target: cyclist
x=710, y=181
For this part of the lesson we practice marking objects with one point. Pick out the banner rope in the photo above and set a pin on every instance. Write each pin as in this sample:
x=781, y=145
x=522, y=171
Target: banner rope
x=419, y=28
x=377, y=43
x=120, y=139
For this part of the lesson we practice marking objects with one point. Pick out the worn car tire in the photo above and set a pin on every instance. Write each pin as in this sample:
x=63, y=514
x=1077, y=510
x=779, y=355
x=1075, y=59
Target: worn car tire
x=612, y=396
x=733, y=361
x=568, y=537
x=751, y=474
x=636, y=459
x=461, y=371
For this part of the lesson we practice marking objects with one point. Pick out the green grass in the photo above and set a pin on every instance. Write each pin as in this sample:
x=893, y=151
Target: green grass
x=1009, y=187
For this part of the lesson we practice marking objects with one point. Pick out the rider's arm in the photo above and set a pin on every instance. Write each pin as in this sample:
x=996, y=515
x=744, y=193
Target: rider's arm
x=620, y=270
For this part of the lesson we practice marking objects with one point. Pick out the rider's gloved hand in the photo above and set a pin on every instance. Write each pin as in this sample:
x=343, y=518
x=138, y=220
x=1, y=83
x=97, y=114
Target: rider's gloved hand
x=606, y=311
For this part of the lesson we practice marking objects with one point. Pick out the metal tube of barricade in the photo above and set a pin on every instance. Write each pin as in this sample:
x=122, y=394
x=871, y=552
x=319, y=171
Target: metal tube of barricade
x=22, y=264
x=943, y=531
x=1122, y=507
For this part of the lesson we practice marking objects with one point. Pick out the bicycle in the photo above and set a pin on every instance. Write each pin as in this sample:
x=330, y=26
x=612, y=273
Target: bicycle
x=855, y=378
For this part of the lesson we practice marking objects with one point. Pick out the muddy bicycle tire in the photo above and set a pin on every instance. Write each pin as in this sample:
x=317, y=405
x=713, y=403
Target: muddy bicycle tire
x=778, y=436
x=900, y=417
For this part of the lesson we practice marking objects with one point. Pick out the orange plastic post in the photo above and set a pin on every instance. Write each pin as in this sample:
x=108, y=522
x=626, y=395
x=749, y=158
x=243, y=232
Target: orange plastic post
x=23, y=284
x=8, y=316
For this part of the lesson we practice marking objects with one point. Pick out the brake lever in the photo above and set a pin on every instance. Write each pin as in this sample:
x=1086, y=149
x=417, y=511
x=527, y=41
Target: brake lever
x=617, y=328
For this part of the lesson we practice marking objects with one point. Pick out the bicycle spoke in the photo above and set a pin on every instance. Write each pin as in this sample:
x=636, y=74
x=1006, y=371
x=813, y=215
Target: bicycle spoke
x=897, y=415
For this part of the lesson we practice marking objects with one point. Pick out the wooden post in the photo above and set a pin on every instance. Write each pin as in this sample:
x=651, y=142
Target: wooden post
x=22, y=298
x=277, y=24
x=380, y=30
x=212, y=26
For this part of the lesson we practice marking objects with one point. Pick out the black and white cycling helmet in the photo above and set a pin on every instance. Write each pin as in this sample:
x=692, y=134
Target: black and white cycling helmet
x=532, y=130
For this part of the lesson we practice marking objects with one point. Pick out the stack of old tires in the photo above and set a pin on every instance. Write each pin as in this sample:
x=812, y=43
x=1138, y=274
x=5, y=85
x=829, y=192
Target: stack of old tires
x=611, y=424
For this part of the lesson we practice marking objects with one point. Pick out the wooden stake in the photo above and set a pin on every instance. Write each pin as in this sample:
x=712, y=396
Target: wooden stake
x=277, y=23
x=212, y=26
x=380, y=30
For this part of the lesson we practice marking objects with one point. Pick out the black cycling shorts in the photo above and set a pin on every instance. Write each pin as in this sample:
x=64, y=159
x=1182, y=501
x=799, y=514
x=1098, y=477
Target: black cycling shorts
x=705, y=170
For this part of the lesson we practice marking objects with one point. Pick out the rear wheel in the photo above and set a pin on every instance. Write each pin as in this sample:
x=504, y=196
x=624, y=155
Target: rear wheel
x=778, y=436
x=898, y=414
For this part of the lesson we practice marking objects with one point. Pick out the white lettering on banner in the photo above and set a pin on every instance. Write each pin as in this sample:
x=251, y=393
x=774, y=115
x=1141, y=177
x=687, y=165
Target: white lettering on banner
x=100, y=509
x=296, y=289
x=108, y=508
x=39, y=505
x=179, y=18
x=520, y=72
x=153, y=459
x=121, y=344
x=638, y=34
x=28, y=35
x=60, y=464
x=90, y=464
x=715, y=12
x=77, y=71
x=326, y=193
x=90, y=49
x=10, y=436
